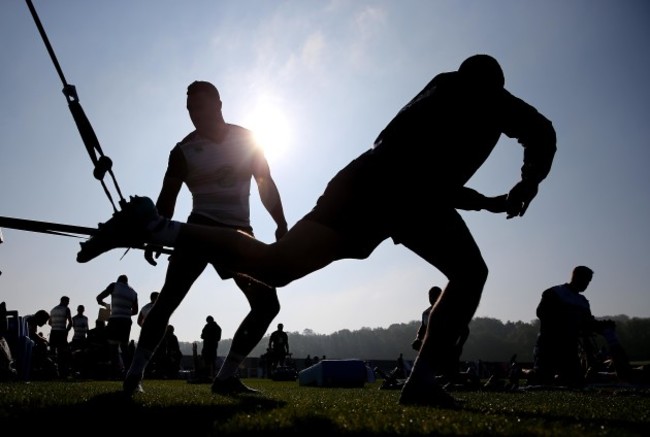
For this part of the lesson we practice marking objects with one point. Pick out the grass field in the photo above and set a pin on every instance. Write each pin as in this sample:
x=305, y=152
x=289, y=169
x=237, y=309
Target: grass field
x=96, y=408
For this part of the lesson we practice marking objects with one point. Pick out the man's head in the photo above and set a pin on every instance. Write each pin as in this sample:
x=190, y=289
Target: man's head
x=41, y=317
x=483, y=71
x=203, y=105
x=65, y=300
x=580, y=278
x=123, y=279
x=209, y=319
x=434, y=294
x=280, y=326
x=81, y=309
x=153, y=296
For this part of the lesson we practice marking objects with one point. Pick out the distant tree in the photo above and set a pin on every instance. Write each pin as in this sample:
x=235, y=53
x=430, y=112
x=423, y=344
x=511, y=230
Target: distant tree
x=490, y=340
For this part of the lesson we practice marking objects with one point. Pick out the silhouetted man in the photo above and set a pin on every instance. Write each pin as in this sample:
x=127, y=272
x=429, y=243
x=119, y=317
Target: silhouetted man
x=408, y=188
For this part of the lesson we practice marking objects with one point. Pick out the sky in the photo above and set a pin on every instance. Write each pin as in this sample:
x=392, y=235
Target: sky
x=317, y=81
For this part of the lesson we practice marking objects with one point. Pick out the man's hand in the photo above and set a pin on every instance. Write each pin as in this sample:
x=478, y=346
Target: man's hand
x=152, y=251
x=519, y=198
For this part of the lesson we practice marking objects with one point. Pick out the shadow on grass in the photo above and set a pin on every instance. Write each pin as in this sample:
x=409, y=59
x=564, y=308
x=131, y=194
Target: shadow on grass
x=116, y=415
x=597, y=421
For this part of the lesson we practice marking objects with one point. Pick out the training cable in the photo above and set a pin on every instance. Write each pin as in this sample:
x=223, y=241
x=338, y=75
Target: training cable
x=102, y=163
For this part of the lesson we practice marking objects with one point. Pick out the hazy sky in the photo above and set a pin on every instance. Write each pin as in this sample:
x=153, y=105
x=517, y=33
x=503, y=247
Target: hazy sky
x=328, y=75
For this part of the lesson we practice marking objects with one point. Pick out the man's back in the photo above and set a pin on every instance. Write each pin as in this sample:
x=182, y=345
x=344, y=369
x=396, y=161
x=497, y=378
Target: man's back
x=563, y=312
x=211, y=333
x=123, y=300
x=59, y=317
x=448, y=130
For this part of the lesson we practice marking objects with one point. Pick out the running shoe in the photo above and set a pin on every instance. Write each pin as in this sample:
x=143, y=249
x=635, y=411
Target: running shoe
x=127, y=228
x=431, y=395
x=132, y=384
x=231, y=386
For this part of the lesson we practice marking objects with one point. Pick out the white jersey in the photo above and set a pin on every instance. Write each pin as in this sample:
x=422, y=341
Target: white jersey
x=80, y=327
x=59, y=317
x=218, y=174
x=144, y=311
x=123, y=298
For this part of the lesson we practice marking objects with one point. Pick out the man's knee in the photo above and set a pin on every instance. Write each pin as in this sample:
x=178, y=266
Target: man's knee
x=268, y=305
x=263, y=300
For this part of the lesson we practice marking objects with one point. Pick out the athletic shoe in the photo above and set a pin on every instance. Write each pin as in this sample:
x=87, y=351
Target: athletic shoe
x=127, y=228
x=132, y=384
x=231, y=386
x=431, y=395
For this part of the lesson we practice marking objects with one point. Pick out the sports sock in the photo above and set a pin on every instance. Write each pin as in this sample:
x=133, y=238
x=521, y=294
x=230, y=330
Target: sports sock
x=141, y=358
x=230, y=366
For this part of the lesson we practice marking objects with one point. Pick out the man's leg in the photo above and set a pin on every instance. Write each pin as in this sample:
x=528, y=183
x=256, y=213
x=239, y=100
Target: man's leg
x=452, y=249
x=307, y=247
x=265, y=306
x=182, y=271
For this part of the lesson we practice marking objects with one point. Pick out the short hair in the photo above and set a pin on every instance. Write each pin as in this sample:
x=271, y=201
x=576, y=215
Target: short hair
x=483, y=70
x=201, y=86
x=582, y=271
x=435, y=291
x=122, y=278
x=41, y=316
x=209, y=319
x=81, y=308
x=154, y=295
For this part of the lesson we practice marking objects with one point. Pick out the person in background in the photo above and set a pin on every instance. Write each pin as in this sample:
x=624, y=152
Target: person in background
x=124, y=305
x=60, y=325
x=211, y=335
x=42, y=366
x=80, y=329
x=147, y=307
x=565, y=319
x=278, y=346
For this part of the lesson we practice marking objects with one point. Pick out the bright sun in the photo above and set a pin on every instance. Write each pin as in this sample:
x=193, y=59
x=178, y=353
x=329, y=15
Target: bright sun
x=270, y=127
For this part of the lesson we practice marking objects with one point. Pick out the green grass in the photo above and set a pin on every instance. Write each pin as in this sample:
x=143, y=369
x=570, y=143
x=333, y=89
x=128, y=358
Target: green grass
x=285, y=408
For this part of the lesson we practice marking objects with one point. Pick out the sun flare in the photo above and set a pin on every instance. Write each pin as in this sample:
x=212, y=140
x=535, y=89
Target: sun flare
x=270, y=127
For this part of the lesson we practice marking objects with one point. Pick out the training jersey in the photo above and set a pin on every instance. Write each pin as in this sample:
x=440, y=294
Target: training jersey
x=144, y=311
x=59, y=317
x=123, y=298
x=446, y=132
x=80, y=327
x=218, y=174
x=564, y=312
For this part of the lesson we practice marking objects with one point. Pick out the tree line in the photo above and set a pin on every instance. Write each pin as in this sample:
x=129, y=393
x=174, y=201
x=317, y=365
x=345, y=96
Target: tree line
x=490, y=340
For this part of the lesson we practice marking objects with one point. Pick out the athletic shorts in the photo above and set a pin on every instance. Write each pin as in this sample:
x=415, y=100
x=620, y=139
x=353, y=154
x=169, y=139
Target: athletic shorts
x=118, y=330
x=189, y=256
x=356, y=205
x=58, y=338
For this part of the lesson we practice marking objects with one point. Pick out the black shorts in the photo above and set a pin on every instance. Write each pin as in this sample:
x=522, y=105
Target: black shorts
x=188, y=256
x=357, y=205
x=118, y=330
x=58, y=338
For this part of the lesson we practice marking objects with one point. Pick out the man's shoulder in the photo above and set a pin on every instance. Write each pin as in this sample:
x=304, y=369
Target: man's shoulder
x=187, y=139
x=235, y=129
x=554, y=289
